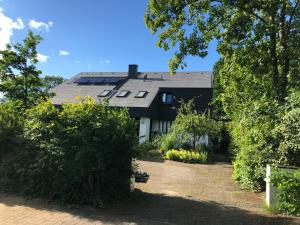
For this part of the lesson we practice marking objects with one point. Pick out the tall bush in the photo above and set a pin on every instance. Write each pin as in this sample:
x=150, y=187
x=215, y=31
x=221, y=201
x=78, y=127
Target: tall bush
x=80, y=154
x=288, y=185
x=251, y=136
x=11, y=128
x=287, y=134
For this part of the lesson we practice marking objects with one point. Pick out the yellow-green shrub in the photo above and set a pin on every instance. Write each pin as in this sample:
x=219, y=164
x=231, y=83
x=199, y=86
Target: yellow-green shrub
x=182, y=155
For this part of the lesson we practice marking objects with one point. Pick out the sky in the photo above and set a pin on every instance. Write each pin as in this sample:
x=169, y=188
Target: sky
x=90, y=36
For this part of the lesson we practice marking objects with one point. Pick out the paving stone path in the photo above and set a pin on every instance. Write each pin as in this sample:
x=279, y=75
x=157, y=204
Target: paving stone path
x=176, y=193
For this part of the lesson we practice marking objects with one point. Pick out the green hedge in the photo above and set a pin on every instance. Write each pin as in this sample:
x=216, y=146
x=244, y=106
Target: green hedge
x=265, y=134
x=182, y=155
x=80, y=154
x=11, y=128
x=288, y=185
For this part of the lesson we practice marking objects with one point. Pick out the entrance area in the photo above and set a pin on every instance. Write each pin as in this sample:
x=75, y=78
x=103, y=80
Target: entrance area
x=176, y=193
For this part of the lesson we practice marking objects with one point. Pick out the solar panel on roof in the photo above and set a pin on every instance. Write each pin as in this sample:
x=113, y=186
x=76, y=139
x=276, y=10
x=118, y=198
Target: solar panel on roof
x=83, y=80
x=113, y=80
x=98, y=80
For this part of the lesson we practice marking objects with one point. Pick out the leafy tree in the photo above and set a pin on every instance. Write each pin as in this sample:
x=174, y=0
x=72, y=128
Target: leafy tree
x=218, y=112
x=256, y=77
x=192, y=126
x=19, y=77
x=50, y=82
x=263, y=34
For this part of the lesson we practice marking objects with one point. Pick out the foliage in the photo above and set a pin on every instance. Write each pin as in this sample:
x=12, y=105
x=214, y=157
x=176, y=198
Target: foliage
x=191, y=127
x=144, y=148
x=185, y=156
x=188, y=129
x=263, y=33
x=203, y=148
x=287, y=134
x=256, y=81
x=50, y=82
x=253, y=114
x=79, y=154
x=251, y=136
x=11, y=128
x=19, y=78
x=266, y=133
x=292, y=100
x=168, y=141
x=218, y=111
x=288, y=185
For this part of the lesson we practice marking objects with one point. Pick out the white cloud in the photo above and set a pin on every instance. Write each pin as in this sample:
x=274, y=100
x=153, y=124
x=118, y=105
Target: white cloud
x=63, y=53
x=42, y=58
x=106, y=61
x=7, y=25
x=77, y=61
x=33, y=24
x=89, y=66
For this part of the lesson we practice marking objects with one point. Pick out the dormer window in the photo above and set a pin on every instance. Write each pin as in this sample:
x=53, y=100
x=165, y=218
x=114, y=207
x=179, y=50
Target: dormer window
x=141, y=94
x=167, y=98
x=123, y=93
x=104, y=93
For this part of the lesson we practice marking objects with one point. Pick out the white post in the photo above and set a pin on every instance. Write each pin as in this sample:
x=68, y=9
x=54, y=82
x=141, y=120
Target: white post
x=271, y=191
x=144, y=133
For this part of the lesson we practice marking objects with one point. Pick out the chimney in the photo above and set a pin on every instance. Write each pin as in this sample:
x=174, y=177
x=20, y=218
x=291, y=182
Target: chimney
x=132, y=71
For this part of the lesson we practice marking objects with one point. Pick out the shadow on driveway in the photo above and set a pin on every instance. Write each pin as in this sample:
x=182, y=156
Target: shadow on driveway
x=146, y=208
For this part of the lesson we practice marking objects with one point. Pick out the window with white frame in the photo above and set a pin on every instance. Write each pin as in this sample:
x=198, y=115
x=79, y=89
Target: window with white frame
x=167, y=98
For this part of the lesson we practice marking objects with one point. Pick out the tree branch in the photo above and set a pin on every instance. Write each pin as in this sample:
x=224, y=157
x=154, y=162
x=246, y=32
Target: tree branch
x=292, y=16
x=221, y=2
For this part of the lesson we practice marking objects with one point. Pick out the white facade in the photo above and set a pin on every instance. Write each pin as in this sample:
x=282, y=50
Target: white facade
x=144, y=131
x=160, y=126
x=148, y=127
x=155, y=126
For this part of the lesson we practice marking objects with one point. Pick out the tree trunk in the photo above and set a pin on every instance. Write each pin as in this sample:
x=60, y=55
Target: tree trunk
x=273, y=54
x=285, y=61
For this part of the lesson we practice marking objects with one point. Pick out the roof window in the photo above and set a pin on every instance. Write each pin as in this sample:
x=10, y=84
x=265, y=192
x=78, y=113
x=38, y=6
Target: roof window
x=123, y=93
x=141, y=94
x=104, y=93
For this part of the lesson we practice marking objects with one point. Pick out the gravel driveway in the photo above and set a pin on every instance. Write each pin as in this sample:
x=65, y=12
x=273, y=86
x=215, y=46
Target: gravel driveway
x=176, y=193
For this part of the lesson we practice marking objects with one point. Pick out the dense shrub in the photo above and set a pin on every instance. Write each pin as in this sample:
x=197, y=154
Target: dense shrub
x=168, y=141
x=288, y=185
x=265, y=133
x=252, y=142
x=182, y=155
x=11, y=128
x=287, y=134
x=79, y=154
x=143, y=148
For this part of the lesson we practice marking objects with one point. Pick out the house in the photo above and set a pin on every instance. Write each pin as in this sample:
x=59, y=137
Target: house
x=151, y=97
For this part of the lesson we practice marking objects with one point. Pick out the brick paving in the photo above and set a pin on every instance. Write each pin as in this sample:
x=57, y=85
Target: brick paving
x=176, y=193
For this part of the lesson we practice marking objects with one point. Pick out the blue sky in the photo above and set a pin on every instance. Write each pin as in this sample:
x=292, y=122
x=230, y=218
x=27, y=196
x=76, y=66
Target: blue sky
x=94, y=35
